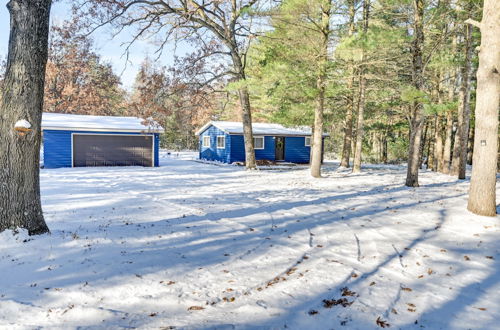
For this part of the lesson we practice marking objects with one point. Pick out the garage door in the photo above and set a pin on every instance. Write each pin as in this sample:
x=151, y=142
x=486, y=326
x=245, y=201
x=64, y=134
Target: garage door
x=112, y=150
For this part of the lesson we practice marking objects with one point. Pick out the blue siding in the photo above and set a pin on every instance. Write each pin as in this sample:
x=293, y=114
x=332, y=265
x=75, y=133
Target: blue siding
x=57, y=147
x=212, y=152
x=238, y=149
x=296, y=150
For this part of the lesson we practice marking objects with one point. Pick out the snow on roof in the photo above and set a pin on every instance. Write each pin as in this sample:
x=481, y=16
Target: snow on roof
x=63, y=121
x=231, y=127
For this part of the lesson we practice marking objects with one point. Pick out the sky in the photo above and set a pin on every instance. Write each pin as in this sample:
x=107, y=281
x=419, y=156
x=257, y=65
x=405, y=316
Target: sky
x=110, y=49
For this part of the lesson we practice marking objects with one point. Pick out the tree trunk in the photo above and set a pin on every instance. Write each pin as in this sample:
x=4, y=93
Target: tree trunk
x=317, y=143
x=459, y=163
x=356, y=167
x=246, y=118
x=22, y=99
x=482, y=193
x=346, y=150
x=438, y=148
x=447, y=143
x=417, y=112
x=470, y=146
x=246, y=113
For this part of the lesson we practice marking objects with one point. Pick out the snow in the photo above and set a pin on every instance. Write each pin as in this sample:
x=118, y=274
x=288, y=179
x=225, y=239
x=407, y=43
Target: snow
x=105, y=123
x=257, y=129
x=193, y=245
x=23, y=123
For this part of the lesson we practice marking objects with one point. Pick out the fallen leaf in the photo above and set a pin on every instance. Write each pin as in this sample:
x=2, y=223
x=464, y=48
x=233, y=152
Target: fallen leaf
x=381, y=323
x=466, y=258
x=313, y=312
x=195, y=308
x=406, y=289
x=490, y=257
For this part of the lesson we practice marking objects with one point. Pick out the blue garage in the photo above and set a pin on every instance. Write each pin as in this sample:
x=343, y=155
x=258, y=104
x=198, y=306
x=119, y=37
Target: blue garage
x=223, y=141
x=80, y=140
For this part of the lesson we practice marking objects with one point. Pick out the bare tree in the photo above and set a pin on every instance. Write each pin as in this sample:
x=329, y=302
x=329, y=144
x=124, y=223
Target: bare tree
x=21, y=115
x=482, y=193
x=227, y=23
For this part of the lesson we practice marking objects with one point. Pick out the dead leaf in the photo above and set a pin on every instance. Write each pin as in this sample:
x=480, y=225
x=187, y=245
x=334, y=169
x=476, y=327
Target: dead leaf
x=313, y=312
x=393, y=311
x=466, y=258
x=406, y=289
x=153, y=314
x=480, y=308
x=490, y=257
x=195, y=308
x=381, y=323
x=372, y=283
x=347, y=293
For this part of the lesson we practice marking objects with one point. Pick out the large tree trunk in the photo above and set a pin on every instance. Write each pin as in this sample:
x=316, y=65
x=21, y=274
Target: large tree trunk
x=356, y=168
x=346, y=150
x=417, y=112
x=22, y=99
x=317, y=145
x=459, y=162
x=246, y=113
x=482, y=193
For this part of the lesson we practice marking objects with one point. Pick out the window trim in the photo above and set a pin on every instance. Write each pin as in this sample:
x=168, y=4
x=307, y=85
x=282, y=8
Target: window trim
x=305, y=141
x=217, y=140
x=263, y=142
x=206, y=138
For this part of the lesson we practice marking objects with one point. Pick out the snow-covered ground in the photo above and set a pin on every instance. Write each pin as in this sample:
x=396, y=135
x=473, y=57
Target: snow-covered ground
x=192, y=245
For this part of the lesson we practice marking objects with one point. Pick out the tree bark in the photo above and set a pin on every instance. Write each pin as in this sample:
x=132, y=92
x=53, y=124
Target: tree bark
x=459, y=162
x=447, y=143
x=22, y=99
x=356, y=167
x=246, y=113
x=438, y=148
x=417, y=112
x=346, y=150
x=482, y=193
x=317, y=139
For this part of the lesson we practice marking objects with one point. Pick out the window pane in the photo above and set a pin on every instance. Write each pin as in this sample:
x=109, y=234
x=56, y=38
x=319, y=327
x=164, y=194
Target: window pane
x=221, y=142
x=258, y=142
x=308, y=141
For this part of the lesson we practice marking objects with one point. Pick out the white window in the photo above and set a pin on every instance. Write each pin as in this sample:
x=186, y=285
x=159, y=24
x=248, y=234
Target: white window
x=221, y=142
x=258, y=142
x=206, y=142
x=307, y=141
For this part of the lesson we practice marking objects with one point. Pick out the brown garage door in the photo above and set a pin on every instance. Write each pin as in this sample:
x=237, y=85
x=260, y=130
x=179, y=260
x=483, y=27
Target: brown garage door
x=112, y=150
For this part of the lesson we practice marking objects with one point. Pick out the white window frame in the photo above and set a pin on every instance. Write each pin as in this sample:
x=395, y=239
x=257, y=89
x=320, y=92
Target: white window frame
x=206, y=145
x=224, y=143
x=263, y=142
x=307, y=138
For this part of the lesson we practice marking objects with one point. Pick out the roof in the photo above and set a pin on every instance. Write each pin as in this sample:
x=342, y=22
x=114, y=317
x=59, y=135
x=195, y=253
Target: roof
x=231, y=127
x=63, y=121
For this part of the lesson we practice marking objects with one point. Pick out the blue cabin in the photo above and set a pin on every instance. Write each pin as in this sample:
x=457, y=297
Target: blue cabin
x=223, y=141
x=80, y=140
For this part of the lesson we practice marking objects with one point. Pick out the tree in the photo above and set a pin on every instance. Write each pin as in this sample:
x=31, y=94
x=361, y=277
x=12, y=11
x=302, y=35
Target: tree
x=417, y=114
x=347, y=140
x=356, y=168
x=482, y=192
x=76, y=80
x=21, y=114
x=225, y=23
x=317, y=137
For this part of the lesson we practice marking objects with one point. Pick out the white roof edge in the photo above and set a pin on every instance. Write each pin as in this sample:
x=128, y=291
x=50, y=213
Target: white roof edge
x=213, y=123
x=86, y=129
x=207, y=125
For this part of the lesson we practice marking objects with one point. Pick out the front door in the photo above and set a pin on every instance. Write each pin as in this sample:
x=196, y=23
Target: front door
x=280, y=148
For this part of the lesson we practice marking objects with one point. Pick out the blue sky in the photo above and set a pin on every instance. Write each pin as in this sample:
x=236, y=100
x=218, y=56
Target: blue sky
x=109, y=48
